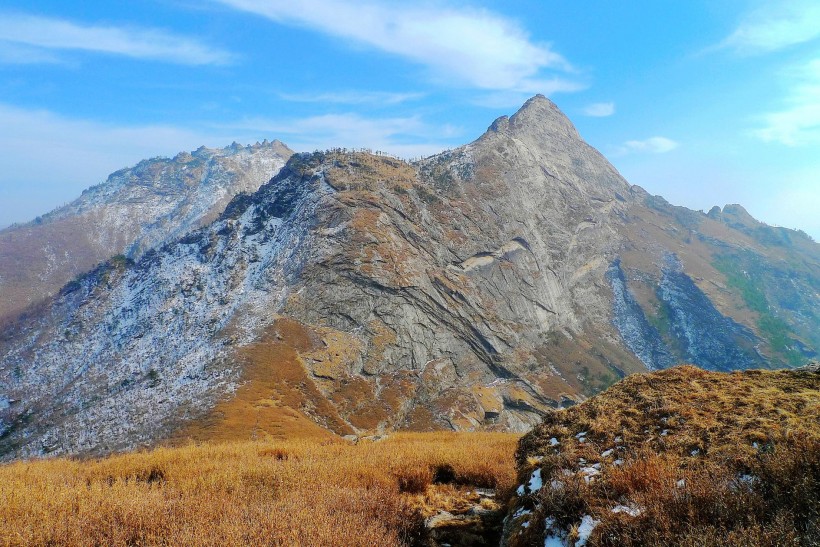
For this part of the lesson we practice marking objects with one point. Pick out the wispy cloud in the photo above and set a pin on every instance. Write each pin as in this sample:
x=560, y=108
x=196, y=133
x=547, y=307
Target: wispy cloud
x=402, y=136
x=36, y=39
x=774, y=26
x=352, y=97
x=798, y=123
x=599, y=110
x=652, y=145
x=470, y=46
x=20, y=54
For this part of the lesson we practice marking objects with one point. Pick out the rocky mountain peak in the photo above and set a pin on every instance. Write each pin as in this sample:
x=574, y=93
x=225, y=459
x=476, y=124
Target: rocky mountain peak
x=538, y=119
x=541, y=117
x=540, y=140
x=739, y=213
x=275, y=146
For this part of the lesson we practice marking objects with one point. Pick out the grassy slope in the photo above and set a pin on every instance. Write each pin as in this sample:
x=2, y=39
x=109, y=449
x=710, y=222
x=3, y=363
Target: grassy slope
x=706, y=459
x=746, y=446
x=310, y=492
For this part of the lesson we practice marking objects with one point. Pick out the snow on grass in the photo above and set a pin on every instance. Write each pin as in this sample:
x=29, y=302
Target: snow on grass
x=585, y=529
x=521, y=513
x=534, y=484
x=748, y=479
x=745, y=481
x=590, y=472
x=554, y=536
x=631, y=510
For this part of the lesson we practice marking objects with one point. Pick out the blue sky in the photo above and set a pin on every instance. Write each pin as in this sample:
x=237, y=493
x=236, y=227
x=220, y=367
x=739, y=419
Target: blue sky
x=702, y=102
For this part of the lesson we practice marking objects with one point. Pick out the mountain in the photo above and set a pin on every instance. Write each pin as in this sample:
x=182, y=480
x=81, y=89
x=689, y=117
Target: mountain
x=475, y=289
x=136, y=209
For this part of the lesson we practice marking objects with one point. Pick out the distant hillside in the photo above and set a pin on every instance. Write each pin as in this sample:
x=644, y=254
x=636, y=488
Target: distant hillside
x=678, y=457
x=136, y=209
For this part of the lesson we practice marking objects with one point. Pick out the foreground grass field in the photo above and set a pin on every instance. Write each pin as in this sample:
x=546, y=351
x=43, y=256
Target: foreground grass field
x=677, y=457
x=310, y=493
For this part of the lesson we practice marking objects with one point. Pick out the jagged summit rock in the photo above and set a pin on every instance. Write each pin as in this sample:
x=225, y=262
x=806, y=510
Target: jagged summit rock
x=539, y=117
x=474, y=289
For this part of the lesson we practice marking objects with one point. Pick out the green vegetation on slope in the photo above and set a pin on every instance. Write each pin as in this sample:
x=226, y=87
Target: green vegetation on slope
x=773, y=329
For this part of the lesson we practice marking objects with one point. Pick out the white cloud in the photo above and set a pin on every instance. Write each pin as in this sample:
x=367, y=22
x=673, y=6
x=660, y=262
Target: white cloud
x=776, y=25
x=352, y=97
x=652, y=145
x=35, y=38
x=471, y=46
x=799, y=122
x=599, y=110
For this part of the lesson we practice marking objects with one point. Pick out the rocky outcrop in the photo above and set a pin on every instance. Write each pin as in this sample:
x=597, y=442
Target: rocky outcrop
x=475, y=289
x=136, y=209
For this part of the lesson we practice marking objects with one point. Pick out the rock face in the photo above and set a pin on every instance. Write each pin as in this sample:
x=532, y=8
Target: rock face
x=629, y=318
x=475, y=289
x=136, y=209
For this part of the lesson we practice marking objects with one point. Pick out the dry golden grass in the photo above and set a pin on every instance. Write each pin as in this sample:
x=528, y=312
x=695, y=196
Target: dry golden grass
x=705, y=458
x=275, y=394
x=308, y=492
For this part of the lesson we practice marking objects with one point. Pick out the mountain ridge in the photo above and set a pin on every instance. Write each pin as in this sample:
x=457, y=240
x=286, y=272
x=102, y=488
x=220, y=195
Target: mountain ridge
x=475, y=289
